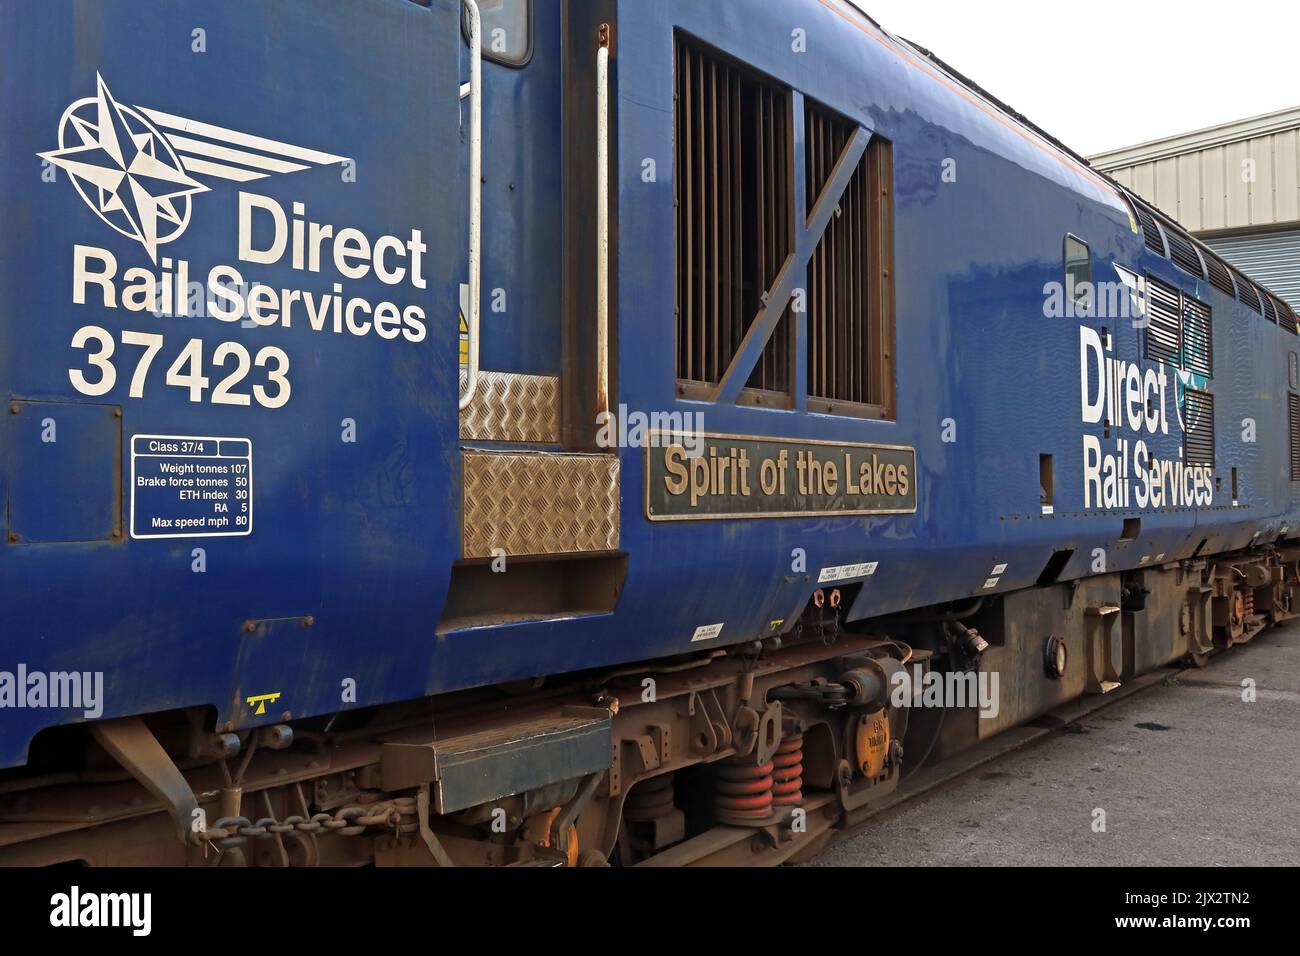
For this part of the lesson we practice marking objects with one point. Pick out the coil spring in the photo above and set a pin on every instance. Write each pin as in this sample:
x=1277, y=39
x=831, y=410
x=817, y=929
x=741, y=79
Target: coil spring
x=1248, y=603
x=744, y=791
x=650, y=800
x=787, y=774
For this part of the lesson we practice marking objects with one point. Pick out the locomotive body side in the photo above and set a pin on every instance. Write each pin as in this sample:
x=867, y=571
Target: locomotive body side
x=1039, y=473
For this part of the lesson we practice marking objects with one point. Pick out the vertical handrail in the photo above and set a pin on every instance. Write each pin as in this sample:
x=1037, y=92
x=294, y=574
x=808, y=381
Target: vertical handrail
x=602, y=222
x=475, y=193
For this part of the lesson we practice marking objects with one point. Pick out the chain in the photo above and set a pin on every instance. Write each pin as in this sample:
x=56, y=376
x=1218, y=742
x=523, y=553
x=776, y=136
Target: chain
x=398, y=816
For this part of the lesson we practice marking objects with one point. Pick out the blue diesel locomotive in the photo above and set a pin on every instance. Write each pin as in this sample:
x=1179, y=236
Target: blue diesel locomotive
x=580, y=431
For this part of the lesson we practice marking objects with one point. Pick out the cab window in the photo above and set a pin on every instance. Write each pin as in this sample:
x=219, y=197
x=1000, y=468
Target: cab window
x=507, y=30
x=1078, y=272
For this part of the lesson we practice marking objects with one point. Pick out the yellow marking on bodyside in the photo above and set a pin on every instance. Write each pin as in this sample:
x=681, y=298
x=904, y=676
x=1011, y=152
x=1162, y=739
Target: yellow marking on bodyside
x=262, y=700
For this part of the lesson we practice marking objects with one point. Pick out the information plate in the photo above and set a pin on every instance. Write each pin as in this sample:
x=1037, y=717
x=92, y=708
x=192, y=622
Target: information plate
x=185, y=487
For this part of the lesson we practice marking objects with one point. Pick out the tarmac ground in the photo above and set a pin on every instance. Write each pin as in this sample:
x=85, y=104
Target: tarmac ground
x=1187, y=773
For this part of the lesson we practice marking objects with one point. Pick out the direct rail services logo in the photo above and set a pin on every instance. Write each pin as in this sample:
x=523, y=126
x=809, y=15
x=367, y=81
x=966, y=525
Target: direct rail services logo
x=140, y=180
x=139, y=170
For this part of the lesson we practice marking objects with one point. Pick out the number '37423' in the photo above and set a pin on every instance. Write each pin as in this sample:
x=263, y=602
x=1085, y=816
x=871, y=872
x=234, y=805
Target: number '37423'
x=231, y=365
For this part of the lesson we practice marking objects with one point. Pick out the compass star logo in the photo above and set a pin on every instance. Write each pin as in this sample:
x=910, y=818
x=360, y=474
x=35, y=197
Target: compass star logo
x=140, y=180
x=125, y=170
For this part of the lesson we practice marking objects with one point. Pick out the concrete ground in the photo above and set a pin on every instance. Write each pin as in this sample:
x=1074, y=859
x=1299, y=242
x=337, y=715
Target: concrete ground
x=1186, y=772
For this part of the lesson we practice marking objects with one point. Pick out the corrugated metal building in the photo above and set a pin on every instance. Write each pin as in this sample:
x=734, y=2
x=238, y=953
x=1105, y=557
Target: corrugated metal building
x=1236, y=187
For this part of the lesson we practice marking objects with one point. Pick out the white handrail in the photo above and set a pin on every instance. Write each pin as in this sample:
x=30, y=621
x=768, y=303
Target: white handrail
x=475, y=193
x=602, y=222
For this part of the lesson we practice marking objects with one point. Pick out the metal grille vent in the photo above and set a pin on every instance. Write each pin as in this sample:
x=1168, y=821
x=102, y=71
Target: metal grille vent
x=1266, y=300
x=733, y=214
x=846, y=275
x=1155, y=242
x=1199, y=261
x=1286, y=317
x=1164, y=322
x=1267, y=257
x=1293, y=429
x=1198, y=338
x=1247, y=292
x=1198, y=428
x=1183, y=252
x=1221, y=276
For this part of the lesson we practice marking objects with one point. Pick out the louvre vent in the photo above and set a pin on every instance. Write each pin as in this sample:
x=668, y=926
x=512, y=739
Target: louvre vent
x=1179, y=328
x=1202, y=263
x=1221, y=276
x=1270, y=313
x=1164, y=322
x=1293, y=429
x=1198, y=338
x=1247, y=292
x=1155, y=242
x=1183, y=252
x=1267, y=257
x=733, y=215
x=1198, y=428
x=1286, y=317
x=848, y=276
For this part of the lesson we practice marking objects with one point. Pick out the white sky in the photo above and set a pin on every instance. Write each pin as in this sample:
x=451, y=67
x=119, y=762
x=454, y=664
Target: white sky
x=1101, y=74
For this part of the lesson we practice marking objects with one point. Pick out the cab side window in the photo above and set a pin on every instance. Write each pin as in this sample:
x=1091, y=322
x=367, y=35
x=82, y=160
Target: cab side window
x=1078, y=272
x=507, y=30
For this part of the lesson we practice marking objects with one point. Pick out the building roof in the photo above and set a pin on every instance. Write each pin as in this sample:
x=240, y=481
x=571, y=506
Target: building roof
x=1228, y=179
x=1235, y=132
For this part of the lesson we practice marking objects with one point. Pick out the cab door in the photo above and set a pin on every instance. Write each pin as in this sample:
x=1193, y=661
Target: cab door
x=230, y=240
x=518, y=396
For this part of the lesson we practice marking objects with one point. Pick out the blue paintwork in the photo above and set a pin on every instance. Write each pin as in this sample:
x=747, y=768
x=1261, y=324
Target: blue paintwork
x=357, y=535
x=522, y=204
x=361, y=536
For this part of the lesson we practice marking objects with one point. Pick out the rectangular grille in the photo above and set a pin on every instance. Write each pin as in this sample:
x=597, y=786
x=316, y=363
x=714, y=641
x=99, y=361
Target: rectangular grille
x=1266, y=300
x=1183, y=252
x=1267, y=257
x=1164, y=322
x=1247, y=292
x=1198, y=428
x=849, y=285
x=732, y=157
x=1151, y=231
x=1221, y=276
x=1286, y=317
x=1293, y=429
x=1198, y=338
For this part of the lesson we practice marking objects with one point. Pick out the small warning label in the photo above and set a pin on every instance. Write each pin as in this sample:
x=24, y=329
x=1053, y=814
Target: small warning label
x=183, y=487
